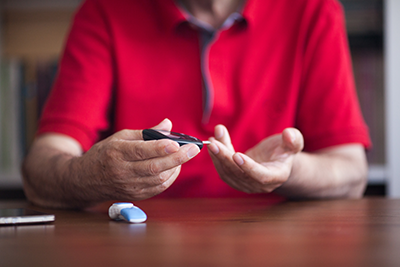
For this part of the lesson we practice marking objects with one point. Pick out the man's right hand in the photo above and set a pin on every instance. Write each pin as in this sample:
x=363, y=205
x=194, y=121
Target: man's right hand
x=133, y=169
x=121, y=167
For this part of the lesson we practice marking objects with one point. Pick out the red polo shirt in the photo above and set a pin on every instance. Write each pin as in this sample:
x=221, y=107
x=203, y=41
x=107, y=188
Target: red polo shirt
x=286, y=65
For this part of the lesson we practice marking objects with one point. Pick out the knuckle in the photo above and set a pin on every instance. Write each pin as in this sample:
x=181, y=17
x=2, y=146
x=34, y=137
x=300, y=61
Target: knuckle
x=153, y=168
x=163, y=186
x=177, y=160
x=139, y=152
x=163, y=177
x=124, y=131
x=109, y=152
x=112, y=138
x=118, y=135
x=157, y=180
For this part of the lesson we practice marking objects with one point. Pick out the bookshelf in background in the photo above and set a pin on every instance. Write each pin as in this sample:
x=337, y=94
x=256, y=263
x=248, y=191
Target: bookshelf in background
x=23, y=90
x=32, y=36
x=364, y=22
x=10, y=117
x=36, y=83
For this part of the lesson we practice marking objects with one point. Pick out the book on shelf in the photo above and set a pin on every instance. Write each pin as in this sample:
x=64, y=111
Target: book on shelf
x=10, y=123
x=38, y=78
x=24, y=89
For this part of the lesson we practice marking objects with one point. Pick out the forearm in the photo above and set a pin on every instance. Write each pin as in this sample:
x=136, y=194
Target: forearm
x=56, y=178
x=121, y=167
x=341, y=172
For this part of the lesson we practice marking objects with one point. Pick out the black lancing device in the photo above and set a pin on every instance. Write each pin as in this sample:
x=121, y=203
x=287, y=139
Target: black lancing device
x=182, y=139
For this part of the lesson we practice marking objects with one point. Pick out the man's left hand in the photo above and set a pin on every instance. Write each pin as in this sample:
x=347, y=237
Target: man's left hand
x=261, y=169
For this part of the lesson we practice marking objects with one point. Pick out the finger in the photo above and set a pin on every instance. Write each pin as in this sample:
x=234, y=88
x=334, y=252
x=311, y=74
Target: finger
x=219, y=149
x=231, y=175
x=159, y=188
x=226, y=167
x=127, y=135
x=222, y=135
x=144, y=150
x=212, y=147
x=268, y=175
x=165, y=178
x=146, y=187
x=155, y=166
x=165, y=125
x=292, y=140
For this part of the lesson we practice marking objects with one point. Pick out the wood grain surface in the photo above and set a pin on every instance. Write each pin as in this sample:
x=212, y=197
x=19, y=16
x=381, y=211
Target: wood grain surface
x=213, y=232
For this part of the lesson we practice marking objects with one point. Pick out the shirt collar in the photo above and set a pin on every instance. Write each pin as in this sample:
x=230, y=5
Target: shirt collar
x=171, y=16
x=181, y=15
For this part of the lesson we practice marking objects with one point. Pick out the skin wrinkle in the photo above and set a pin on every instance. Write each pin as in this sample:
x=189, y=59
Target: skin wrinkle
x=138, y=153
x=65, y=161
x=156, y=177
x=75, y=168
x=330, y=162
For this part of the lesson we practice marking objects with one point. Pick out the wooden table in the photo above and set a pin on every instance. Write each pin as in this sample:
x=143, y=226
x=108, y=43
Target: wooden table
x=213, y=232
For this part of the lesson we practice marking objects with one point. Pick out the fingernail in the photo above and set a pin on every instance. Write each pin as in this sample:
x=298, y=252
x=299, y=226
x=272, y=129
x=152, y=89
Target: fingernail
x=292, y=135
x=219, y=132
x=238, y=159
x=193, y=151
x=214, y=148
x=172, y=148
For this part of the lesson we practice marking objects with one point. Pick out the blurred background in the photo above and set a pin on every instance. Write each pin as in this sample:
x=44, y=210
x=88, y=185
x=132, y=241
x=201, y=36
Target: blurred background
x=32, y=33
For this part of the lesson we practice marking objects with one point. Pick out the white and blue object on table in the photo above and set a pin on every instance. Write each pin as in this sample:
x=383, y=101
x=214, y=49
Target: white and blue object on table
x=127, y=212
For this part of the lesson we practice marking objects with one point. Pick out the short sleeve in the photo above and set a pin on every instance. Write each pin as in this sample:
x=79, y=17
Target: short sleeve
x=329, y=112
x=79, y=101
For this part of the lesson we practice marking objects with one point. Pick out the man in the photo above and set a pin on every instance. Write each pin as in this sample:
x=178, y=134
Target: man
x=277, y=74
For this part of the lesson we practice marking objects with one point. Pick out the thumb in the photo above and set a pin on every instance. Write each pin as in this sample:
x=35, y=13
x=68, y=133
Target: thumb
x=292, y=140
x=165, y=125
